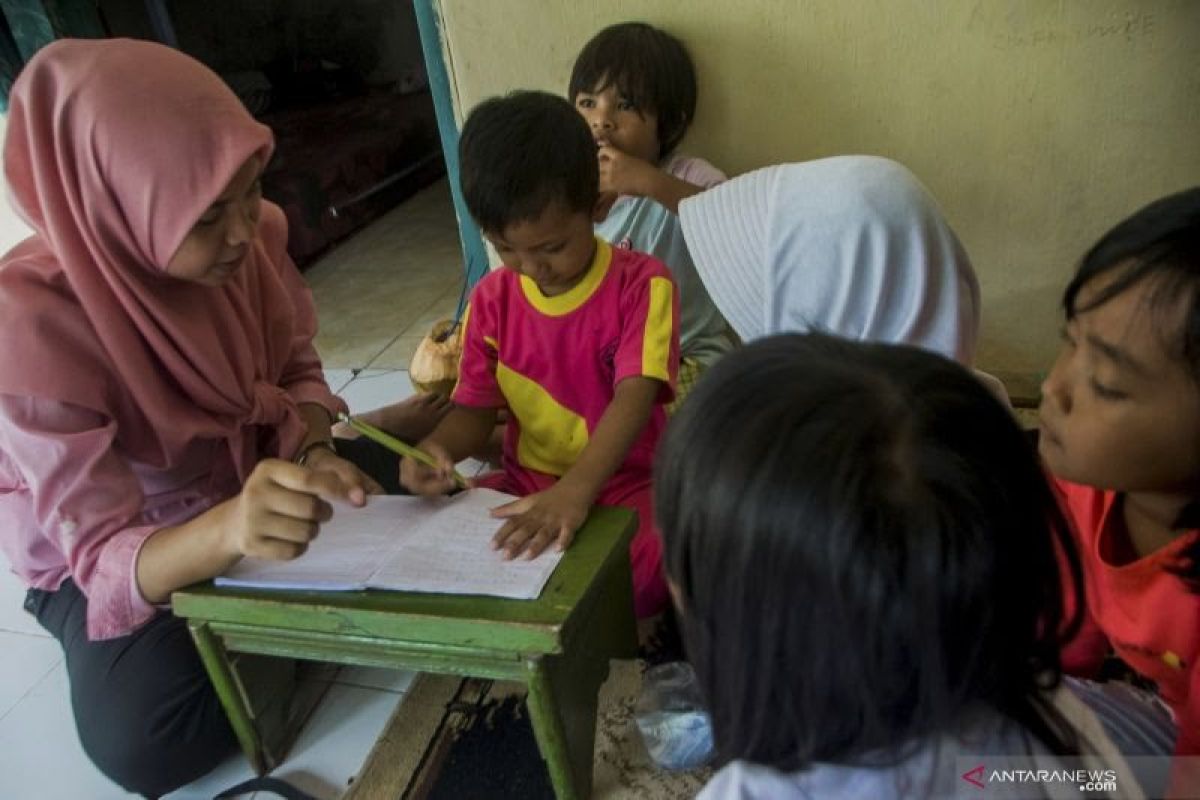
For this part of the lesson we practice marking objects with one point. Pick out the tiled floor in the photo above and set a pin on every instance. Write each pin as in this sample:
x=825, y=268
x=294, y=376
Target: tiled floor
x=380, y=292
x=377, y=295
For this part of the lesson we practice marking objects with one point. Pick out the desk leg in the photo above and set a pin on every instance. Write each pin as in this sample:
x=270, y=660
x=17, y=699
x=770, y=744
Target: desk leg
x=220, y=672
x=563, y=689
x=562, y=707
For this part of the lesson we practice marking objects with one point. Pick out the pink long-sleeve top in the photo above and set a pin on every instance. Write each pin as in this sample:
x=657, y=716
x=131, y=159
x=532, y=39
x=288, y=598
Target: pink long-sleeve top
x=73, y=505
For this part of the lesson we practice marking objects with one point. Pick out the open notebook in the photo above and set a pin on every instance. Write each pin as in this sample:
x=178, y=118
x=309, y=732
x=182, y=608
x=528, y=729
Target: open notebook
x=416, y=544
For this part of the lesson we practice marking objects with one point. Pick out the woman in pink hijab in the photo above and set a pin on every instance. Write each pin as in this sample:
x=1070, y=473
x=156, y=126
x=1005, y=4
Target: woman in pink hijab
x=162, y=410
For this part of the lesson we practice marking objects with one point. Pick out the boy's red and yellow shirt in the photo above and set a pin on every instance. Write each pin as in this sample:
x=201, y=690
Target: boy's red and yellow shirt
x=554, y=362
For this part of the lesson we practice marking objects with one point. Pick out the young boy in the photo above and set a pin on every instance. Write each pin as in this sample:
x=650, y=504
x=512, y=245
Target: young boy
x=636, y=88
x=576, y=339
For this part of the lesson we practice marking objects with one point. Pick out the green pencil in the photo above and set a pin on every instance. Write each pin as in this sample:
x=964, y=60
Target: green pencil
x=396, y=446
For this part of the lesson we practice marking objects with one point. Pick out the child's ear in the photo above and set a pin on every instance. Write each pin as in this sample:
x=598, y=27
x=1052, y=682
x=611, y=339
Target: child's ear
x=604, y=204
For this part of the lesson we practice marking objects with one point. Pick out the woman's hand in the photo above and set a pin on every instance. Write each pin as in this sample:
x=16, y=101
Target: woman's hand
x=539, y=520
x=280, y=509
x=425, y=480
x=276, y=515
x=354, y=479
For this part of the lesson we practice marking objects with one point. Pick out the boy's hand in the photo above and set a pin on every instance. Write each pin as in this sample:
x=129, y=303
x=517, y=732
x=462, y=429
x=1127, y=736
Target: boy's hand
x=622, y=173
x=538, y=521
x=425, y=480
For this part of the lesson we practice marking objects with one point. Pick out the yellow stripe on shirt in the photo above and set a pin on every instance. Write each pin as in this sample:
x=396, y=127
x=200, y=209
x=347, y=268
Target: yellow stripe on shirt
x=462, y=338
x=656, y=340
x=552, y=435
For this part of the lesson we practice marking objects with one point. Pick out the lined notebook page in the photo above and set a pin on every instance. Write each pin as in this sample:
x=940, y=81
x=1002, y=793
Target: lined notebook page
x=407, y=543
x=452, y=553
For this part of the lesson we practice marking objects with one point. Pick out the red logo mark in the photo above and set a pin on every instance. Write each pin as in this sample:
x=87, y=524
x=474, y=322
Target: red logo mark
x=974, y=776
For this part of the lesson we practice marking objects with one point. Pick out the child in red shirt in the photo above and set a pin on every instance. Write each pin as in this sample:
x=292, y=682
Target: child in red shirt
x=1120, y=431
x=577, y=340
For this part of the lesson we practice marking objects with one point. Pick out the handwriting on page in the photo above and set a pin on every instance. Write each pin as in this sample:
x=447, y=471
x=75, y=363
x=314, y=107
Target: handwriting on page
x=346, y=552
x=341, y=557
x=452, y=553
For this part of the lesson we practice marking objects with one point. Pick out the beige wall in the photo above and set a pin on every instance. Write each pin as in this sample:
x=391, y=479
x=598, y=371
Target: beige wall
x=1037, y=124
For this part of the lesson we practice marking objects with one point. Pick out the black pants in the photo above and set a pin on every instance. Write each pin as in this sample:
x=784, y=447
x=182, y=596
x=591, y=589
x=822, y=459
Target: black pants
x=380, y=463
x=146, y=713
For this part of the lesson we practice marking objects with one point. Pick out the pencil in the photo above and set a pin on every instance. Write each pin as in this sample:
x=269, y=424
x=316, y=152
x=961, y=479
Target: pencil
x=395, y=445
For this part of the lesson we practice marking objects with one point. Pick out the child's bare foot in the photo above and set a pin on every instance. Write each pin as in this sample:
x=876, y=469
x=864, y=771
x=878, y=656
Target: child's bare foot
x=410, y=420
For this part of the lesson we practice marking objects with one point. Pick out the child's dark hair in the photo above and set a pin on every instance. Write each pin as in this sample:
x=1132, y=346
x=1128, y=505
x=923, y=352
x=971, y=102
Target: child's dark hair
x=865, y=551
x=1160, y=242
x=522, y=152
x=649, y=67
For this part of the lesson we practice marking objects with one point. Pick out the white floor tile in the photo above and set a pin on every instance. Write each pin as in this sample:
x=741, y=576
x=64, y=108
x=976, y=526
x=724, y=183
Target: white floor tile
x=40, y=754
x=371, y=389
x=389, y=680
x=27, y=659
x=233, y=771
x=41, y=758
x=334, y=744
x=338, y=378
x=473, y=468
x=12, y=605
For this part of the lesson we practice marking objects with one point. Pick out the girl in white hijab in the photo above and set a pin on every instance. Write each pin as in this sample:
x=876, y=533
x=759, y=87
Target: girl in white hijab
x=852, y=246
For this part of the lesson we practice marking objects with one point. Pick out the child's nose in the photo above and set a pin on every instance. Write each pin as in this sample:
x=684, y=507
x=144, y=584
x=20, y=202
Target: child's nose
x=1056, y=387
x=601, y=119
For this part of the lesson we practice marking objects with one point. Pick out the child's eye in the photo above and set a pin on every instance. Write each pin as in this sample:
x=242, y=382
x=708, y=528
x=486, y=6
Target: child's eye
x=584, y=102
x=1105, y=393
x=626, y=105
x=554, y=248
x=209, y=217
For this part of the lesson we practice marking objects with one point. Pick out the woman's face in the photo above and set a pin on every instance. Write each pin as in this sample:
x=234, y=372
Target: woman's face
x=218, y=243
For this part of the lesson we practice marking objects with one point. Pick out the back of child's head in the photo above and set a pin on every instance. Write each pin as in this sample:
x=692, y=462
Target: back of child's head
x=523, y=152
x=647, y=66
x=1161, y=243
x=864, y=550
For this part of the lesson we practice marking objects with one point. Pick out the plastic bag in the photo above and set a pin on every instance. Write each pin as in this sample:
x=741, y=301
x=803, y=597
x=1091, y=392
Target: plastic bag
x=674, y=724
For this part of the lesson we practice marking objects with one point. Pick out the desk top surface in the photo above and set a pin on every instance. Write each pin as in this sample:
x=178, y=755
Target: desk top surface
x=469, y=620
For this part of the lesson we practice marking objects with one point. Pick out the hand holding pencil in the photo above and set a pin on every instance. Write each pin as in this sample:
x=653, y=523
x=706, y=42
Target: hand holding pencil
x=421, y=472
x=439, y=478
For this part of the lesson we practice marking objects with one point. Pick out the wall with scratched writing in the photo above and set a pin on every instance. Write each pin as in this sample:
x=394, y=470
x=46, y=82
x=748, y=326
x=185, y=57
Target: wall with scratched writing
x=1036, y=123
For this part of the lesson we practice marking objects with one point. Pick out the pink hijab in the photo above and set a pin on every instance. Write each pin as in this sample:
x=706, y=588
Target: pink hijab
x=114, y=150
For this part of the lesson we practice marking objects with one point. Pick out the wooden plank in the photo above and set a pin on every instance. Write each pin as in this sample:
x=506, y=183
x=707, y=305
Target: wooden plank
x=391, y=765
x=371, y=652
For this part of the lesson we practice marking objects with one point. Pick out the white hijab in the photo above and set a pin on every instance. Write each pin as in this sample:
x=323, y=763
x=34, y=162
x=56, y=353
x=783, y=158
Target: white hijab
x=852, y=246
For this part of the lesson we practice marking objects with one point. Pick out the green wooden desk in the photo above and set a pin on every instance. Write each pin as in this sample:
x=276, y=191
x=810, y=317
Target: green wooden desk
x=558, y=645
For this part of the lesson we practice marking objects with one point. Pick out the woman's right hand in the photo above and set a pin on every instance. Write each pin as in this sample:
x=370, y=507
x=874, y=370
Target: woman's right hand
x=280, y=509
x=425, y=480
